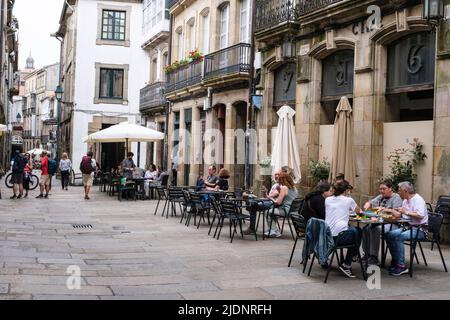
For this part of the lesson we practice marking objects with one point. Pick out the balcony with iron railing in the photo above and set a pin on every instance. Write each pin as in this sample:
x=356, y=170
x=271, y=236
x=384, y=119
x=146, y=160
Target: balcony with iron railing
x=152, y=97
x=227, y=66
x=184, y=77
x=275, y=17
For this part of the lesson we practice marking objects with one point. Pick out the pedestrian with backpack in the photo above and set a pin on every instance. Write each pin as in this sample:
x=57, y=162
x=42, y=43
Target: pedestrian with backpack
x=18, y=167
x=52, y=169
x=45, y=177
x=87, y=168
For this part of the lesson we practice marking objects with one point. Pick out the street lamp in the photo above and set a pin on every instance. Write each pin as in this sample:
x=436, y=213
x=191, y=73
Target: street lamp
x=434, y=11
x=288, y=48
x=19, y=118
x=59, y=93
x=59, y=96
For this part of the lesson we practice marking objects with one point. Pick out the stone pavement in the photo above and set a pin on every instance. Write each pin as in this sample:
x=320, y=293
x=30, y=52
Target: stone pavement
x=132, y=254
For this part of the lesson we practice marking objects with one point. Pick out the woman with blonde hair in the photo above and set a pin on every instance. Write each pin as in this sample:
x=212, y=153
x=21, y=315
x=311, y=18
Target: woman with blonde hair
x=65, y=166
x=287, y=194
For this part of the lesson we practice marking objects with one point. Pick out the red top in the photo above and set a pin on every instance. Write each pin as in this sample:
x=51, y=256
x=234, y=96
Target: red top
x=44, y=166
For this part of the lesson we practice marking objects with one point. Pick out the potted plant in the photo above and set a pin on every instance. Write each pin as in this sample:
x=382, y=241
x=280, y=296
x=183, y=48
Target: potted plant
x=319, y=170
x=266, y=166
x=195, y=56
x=404, y=163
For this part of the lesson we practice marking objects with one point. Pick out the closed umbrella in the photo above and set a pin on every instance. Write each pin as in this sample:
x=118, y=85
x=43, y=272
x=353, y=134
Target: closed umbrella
x=285, y=151
x=2, y=128
x=343, y=156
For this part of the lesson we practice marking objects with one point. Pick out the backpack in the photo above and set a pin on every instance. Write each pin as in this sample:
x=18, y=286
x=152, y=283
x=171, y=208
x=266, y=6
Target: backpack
x=52, y=166
x=86, y=165
x=19, y=164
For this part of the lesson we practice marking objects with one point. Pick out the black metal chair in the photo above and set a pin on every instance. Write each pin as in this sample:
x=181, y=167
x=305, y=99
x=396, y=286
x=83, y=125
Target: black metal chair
x=334, y=252
x=129, y=189
x=230, y=210
x=200, y=208
x=162, y=196
x=298, y=221
x=275, y=215
x=433, y=230
x=175, y=196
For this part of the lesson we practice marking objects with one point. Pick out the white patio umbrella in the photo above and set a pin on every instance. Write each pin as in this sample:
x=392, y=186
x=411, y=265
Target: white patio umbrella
x=125, y=132
x=38, y=151
x=285, y=151
x=2, y=128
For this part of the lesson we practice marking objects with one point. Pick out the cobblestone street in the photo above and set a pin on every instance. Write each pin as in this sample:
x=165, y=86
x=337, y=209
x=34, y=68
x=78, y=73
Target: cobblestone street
x=132, y=254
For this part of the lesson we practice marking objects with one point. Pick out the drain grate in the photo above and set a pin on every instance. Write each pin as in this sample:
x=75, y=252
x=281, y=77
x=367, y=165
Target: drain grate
x=82, y=226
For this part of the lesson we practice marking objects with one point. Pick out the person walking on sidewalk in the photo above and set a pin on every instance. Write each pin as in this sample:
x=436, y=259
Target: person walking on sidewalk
x=18, y=166
x=65, y=166
x=45, y=177
x=27, y=175
x=87, y=167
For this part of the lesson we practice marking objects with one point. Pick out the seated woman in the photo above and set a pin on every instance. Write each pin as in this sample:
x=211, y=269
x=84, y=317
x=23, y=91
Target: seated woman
x=222, y=183
x=151, y=175
x=287, y=194
x=314, y=204
x=337, y=209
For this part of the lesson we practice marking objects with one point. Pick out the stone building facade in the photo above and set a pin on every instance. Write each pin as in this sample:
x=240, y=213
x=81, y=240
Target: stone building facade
x=210, y=91
x=385, y=57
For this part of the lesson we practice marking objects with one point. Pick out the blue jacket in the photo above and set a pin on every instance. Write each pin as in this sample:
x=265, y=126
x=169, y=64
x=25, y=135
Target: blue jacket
x=318, y=239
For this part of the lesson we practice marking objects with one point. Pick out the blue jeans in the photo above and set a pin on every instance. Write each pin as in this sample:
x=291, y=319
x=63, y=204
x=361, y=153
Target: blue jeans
x=348, y=237
x=395, y=244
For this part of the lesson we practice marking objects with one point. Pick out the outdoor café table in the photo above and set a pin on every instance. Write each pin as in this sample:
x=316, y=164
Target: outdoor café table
x=139, y=186
x=369, y=223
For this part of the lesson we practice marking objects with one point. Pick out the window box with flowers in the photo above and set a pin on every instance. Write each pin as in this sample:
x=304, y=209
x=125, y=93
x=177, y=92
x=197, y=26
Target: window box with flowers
x=194, y=56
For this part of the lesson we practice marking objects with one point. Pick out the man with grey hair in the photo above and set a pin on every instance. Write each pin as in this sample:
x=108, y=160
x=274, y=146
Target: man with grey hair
x=413, y=208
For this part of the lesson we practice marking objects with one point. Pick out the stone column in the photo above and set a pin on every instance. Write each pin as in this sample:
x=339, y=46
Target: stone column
x=182, y=149
x=196, y=146
x=441, y=165
x=228, y=155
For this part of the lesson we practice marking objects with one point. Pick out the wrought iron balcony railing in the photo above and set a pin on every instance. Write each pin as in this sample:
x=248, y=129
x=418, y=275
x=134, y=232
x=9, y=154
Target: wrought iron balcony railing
x=152, y=96
x=308, y=6
x=270, y=13
x=186, y=76
x=171, y=3
x=231, y=60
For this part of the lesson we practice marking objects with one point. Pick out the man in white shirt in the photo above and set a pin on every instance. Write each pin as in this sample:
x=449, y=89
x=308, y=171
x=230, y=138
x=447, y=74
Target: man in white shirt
x=337, y=209
x=415, y=209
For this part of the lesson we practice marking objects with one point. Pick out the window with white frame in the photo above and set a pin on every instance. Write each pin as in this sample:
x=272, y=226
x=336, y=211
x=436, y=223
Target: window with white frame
x=244, y=21
x=180, y=44
x=191, y=31
x=205, y=36
x=153, y=13
x=223, y=27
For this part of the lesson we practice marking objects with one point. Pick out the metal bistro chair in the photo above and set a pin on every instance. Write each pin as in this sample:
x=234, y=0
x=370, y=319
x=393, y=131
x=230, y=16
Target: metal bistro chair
x=200, y=208
x=129, y=189
x=187, y=205
x=175, y=196
x=295, y=208
x=162, y=196
x=230, y=211
x=334, y=252
x=435, y=221
x=299, y=223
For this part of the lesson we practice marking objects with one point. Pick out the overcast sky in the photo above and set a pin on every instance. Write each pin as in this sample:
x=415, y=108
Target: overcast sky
x=37, y=19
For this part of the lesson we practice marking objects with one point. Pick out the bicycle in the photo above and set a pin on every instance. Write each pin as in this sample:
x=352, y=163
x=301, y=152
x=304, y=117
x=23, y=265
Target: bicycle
x=34, y=181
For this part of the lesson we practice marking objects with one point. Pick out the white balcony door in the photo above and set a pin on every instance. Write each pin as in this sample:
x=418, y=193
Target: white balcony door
x=224, y=29
x=205, y=48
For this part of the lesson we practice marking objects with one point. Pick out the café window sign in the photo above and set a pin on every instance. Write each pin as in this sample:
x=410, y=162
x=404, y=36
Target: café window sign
x=411, y=62
x=285, y=84
x=337, y=74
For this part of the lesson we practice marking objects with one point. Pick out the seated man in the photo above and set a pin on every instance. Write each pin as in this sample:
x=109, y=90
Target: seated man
x=212, y=178
x=413, y=208
x=387, y=199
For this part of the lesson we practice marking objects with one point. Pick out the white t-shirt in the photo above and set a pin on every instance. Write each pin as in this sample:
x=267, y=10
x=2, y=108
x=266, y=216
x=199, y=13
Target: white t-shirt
x=337, y=211
x=416, y=204
x=94, y=166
